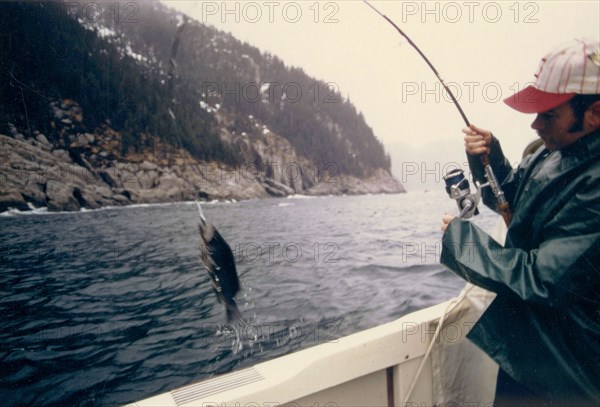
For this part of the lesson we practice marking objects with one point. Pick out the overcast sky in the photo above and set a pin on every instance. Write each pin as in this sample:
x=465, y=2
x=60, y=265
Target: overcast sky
x=484, y=50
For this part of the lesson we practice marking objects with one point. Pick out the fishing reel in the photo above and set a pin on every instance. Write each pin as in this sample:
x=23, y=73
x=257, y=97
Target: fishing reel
x=458, y=188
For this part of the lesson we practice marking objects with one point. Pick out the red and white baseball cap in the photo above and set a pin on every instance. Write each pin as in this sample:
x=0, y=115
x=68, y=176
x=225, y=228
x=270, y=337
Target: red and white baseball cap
x=571, y=69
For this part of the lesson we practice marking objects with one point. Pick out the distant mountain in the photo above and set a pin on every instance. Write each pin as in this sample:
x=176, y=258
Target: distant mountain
x=139, y=104
x=153, y=74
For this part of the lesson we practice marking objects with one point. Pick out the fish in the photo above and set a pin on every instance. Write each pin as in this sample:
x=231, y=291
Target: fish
x=218, y=260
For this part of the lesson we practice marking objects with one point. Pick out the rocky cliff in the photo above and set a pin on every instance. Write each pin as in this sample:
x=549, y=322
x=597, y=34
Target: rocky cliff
x=83, y=168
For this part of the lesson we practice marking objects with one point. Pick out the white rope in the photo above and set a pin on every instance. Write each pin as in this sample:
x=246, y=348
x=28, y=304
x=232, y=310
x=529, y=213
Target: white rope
x=453, y=302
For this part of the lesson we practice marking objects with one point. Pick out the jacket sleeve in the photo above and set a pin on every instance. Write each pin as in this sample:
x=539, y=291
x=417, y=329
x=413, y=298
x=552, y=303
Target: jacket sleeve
x=502, y=170
x=566, y=265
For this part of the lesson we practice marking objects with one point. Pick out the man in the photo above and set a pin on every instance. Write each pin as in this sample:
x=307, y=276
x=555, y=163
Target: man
x=543, y=328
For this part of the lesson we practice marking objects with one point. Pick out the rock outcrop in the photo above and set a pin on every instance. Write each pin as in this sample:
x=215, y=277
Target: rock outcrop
x=81, y=169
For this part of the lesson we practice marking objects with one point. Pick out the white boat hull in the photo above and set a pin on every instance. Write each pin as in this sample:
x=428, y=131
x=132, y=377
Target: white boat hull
x=375, y=367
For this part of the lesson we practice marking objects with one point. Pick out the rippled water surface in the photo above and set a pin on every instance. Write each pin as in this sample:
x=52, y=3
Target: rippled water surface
x=107, y=307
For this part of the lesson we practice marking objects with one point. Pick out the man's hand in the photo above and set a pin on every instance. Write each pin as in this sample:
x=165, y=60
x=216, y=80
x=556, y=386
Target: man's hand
x=477, y=141
x=446, y=221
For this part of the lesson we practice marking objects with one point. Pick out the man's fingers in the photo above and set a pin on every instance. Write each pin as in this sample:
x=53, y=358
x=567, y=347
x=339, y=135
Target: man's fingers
x=476, y=131
x=477, y=141
x=446, y=219
x=476, y=145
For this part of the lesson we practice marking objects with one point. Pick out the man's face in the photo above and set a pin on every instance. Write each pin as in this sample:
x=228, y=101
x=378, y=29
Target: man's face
x=553, y=127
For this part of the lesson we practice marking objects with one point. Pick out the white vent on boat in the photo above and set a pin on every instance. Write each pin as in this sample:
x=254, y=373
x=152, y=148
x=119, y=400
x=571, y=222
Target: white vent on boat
x=217, y=385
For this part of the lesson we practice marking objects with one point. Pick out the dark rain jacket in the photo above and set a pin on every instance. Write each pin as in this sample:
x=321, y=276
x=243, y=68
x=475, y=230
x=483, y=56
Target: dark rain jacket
x=543, y=328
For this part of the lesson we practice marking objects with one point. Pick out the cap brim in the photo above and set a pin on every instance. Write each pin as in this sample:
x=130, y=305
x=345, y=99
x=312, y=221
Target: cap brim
x=532, y=100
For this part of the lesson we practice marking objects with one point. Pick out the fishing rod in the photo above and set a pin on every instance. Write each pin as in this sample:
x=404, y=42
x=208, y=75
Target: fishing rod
x=468, y=206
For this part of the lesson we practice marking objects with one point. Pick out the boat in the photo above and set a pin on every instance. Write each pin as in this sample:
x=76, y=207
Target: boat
x=421, y=359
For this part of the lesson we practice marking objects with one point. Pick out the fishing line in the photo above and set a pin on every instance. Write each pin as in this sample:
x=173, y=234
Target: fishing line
x=23, y=97
x=435, y=71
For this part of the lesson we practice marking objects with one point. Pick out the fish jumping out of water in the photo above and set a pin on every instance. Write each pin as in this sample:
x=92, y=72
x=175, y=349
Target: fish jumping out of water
x=218, y=260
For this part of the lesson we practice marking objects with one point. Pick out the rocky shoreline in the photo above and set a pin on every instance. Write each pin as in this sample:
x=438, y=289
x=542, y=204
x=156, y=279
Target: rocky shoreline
x=79, y=169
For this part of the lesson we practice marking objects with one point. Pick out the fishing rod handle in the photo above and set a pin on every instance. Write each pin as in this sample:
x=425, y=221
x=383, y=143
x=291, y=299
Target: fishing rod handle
x=503, y=206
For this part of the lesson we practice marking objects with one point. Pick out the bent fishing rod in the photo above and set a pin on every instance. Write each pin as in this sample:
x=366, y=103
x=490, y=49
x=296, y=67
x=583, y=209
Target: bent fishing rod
x=503, y=207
